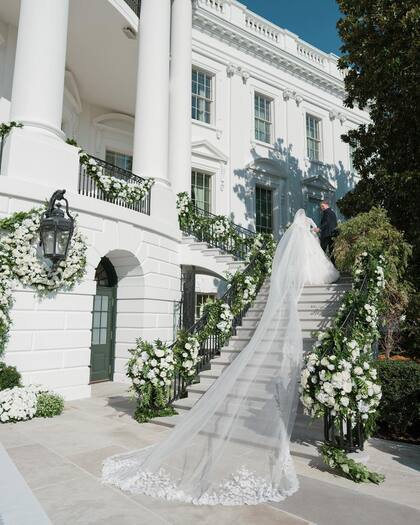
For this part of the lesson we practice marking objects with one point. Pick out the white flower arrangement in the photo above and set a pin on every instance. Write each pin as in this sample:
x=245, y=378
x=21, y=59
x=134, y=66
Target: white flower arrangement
x=20, y=403
x=113, y=187
x=183, y=203
x=339, y=376
x=151, y=363
x=21, y=260
x=226, y=318
x=188, y=356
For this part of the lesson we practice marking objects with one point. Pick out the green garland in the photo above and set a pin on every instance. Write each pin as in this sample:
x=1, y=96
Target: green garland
x=5, y=129
x=337, y=459
x=339, y=374
x=111, y=186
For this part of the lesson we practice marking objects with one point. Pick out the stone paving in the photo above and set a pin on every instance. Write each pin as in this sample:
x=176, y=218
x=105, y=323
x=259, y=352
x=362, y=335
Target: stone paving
x=60, y=459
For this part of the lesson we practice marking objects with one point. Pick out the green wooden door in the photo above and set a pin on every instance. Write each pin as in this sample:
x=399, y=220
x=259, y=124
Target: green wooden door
x=103, y=332
x=313, y=211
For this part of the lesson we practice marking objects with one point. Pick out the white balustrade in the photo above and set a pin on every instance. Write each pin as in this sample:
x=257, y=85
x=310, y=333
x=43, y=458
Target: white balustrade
x=261, y=29
x=307, y=53
x=216, y=5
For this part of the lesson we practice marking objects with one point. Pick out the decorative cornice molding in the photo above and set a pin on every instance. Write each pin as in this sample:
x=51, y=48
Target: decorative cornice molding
x=289, y=94
x=251, y=44
x=334, y=114
x=232, y=69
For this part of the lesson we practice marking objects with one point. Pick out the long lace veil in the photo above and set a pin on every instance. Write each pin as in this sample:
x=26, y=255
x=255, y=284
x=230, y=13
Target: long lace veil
x=232, y=447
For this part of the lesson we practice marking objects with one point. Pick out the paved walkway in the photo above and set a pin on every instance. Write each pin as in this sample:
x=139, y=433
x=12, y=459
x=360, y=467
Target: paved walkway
x=60, y=460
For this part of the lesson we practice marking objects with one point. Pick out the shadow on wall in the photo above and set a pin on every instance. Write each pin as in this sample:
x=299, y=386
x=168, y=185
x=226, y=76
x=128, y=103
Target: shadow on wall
x=290, y=168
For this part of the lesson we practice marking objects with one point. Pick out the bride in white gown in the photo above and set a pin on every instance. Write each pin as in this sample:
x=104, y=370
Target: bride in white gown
x=232, y=447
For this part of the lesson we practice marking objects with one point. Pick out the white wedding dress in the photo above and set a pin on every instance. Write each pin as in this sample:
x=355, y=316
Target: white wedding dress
x=232, y=447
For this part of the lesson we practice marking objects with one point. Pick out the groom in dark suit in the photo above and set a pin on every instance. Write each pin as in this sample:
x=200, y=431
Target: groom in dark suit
x=328, y=228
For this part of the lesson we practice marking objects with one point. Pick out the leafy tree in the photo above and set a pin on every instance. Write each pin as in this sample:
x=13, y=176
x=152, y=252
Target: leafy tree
x=381, y=56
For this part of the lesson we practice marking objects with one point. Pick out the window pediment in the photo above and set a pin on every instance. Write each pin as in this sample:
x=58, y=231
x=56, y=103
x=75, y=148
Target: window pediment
x=203, y=148
x=319, y=183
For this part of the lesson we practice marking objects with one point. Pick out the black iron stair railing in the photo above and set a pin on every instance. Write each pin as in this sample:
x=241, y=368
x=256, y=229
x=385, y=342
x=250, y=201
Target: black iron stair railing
x=88, y=187
x=210, y=347
x=135, y=6
x=341, y=432
x=206, y=230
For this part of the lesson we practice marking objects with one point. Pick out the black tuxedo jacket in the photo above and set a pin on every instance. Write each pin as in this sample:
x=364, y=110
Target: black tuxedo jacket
x=328, y=223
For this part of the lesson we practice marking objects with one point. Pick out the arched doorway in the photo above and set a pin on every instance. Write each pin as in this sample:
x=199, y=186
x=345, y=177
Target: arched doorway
x=103, y=323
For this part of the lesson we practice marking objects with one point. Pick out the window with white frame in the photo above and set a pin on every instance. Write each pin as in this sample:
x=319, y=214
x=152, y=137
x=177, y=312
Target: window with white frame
x=263, y=210
x=313, y=137
x=201, y=190
x=122, y=160
x=202, y=96
x=200, y=301
x=262, y=118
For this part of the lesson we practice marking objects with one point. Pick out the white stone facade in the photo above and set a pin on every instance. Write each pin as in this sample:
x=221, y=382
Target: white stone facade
x=67, y=69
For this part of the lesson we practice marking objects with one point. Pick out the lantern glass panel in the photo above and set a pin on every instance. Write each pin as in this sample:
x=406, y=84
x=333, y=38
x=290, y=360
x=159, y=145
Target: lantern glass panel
x=62, y=242
x=48, y=241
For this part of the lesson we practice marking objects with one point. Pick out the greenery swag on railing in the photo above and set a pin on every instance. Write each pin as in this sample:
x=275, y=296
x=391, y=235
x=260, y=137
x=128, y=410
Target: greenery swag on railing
x=217, y=231
x=339, y=380
x=113, y=187
x=159, y=372
x=5, y=129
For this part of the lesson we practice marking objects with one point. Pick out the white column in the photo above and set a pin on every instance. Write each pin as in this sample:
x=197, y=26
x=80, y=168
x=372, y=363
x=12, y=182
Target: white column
x=180, y=96
x=150, y=149
x=38, y=81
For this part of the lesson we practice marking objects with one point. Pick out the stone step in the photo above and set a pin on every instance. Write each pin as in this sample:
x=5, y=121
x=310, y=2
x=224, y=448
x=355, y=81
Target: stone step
x=237, y=344
x=198, y=245
x=212, y=252
x=186, y=402
x=314, y=323
x=224, y=258
x=201, y=387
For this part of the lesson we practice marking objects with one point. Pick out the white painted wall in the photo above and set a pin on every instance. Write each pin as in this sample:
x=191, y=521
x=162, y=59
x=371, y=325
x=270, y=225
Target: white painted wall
x=50, y=339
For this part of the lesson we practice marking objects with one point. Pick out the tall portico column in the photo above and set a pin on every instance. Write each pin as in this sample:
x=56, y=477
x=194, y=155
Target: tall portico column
x=37, y=152
x=180, y=96
x=38, y=80
x=150, y=149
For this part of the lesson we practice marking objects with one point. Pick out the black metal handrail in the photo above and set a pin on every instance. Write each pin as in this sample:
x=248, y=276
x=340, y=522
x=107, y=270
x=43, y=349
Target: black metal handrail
x=210, y=348
x=88, y=187
x=339, y=431
x=2, y=141
x=208, y=234
x=135, y=6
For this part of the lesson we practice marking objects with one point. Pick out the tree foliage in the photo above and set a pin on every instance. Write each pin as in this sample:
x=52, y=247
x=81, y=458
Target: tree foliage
x=381, y=57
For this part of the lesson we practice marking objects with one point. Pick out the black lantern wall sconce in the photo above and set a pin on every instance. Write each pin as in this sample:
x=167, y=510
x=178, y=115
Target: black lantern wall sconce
x=56, y=228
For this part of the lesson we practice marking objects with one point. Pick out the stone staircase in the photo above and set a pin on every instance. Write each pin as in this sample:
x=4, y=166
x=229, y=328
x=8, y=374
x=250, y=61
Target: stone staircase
x=196, y=253
x=317, y=306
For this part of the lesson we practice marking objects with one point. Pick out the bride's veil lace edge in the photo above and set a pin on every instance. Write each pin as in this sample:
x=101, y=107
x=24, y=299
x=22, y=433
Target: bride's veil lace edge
x=232, y=447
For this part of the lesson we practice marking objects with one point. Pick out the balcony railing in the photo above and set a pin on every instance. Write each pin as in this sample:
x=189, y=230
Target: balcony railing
x=88, y=187
x=135, y=5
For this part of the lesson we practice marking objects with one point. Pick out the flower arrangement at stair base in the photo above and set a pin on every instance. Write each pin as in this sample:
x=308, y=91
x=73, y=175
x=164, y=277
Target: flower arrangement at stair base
x=114, y=187
x=22, y=403
x=21, y=260
x=151, y=370
x=339, y=374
